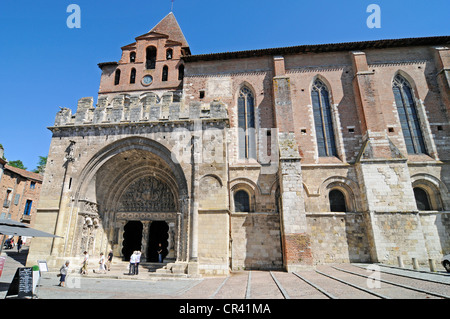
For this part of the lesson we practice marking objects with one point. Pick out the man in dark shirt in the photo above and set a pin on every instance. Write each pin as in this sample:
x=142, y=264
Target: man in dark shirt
x=109, y=260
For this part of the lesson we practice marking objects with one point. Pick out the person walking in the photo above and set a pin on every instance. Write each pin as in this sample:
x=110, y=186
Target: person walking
x=101, y=264
x=63, y=273
x=84, y=264
x=109, y=260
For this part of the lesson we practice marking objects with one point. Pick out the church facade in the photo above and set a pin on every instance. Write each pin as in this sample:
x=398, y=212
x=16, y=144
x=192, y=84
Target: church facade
x=278, y=158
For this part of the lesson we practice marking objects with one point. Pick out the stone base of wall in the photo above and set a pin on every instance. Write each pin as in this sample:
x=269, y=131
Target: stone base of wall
x=212, y=269
x=436, y=230
x=398, y=235
x=297, y=251
x=213, y=242
x=338, y=237
x=255, y=241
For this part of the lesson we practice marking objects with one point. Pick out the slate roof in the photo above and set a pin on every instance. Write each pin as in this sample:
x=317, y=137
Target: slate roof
x=24, y=173
x=319, y=48
x=169, y=26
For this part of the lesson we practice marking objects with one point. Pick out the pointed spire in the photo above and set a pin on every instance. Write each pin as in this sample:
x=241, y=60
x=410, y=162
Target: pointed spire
x=169, y=26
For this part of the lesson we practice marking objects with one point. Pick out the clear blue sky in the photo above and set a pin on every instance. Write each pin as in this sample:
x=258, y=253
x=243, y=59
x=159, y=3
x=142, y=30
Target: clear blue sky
x=44, y=64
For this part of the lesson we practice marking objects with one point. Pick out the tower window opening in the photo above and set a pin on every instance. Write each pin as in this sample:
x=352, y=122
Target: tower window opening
x=151, y=58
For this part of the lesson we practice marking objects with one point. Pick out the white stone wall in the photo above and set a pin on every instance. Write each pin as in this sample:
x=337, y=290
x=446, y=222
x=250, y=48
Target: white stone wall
x=387, y=187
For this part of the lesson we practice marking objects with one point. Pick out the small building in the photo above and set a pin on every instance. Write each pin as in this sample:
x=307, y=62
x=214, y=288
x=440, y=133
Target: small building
x=19, y=194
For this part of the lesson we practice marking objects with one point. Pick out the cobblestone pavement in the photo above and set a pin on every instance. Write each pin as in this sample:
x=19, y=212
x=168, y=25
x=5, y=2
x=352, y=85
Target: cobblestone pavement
x=343, y=281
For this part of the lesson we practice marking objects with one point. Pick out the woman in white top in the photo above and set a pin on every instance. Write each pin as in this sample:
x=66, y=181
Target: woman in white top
x=63, y=273
x=132, y=263
x=101, y=262
x=136, y=262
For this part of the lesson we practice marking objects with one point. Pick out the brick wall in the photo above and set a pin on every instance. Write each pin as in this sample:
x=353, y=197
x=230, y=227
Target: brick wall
x=16, y=182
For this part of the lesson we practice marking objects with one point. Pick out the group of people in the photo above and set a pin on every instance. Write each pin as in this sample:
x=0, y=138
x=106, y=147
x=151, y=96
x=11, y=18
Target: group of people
x=9, y=243
x=105, y=265
x=102, y=268
x=135, y=259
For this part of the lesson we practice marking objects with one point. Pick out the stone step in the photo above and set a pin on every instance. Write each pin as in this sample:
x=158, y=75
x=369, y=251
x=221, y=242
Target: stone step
x=152, y=267
x=161, y=268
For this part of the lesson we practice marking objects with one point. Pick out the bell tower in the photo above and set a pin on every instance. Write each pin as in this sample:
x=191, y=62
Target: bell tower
x=151, y=63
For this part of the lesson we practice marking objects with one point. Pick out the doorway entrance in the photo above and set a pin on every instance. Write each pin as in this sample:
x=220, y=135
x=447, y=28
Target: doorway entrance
x=158, y=234
x=132, y=238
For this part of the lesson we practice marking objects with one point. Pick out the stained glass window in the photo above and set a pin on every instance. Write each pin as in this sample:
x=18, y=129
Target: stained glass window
x=322, y=119
x=407, y=112
x=246, y=124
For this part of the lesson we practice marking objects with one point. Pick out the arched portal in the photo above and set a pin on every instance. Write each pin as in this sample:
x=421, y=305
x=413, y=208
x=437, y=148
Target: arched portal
x=158, y=239
x=134, y=183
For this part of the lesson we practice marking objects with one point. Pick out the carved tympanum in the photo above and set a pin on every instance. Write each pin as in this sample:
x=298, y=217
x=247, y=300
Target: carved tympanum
x=147, y=194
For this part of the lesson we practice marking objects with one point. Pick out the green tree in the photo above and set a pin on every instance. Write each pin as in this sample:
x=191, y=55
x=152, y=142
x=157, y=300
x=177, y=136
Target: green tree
x=3, y=155
x=17, y=164
x=41, y=165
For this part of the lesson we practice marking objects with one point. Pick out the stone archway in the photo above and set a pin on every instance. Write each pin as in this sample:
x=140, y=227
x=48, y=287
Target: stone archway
x=135, y=180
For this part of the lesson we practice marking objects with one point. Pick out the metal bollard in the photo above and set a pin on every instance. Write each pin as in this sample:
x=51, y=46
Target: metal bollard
x=400, y=262
x=415, y=264
x=432, y=264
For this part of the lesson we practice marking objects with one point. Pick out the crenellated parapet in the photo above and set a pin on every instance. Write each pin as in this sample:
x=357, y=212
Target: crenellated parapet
x=125, y=108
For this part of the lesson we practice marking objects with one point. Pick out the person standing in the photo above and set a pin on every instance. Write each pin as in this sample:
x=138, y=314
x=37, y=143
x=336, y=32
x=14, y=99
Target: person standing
x=63, y=273
x=132, y=263
x=160, y=250
x=137, y=261
x=19, y=244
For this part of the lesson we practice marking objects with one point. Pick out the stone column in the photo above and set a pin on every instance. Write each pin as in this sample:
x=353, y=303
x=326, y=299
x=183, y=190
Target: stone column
x=57, y=249
x=118, y=248
x=171, y=247
x=182, y=231
x=195, y=160
x=295, y=238
x=145, y=235
x=296, y=242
